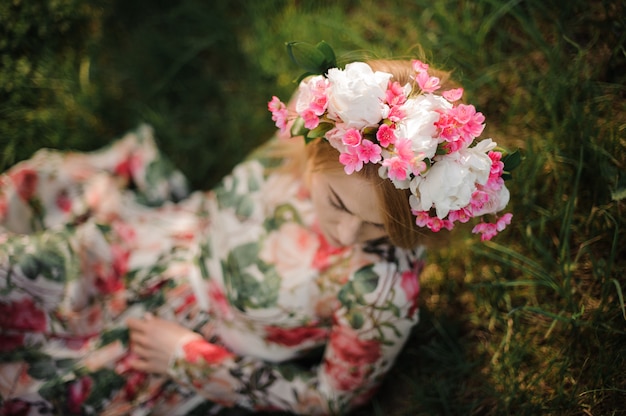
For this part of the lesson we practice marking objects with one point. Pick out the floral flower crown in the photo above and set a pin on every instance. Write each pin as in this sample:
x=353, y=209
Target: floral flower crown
x=422, y=141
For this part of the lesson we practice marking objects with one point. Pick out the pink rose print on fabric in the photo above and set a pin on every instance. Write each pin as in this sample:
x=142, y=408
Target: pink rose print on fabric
x=77, y=393
x=351, y=360
x=200, y=349
x=291, y=337
x=411, y=286
x=15, y=407
x=22, y=315
x=219, y=302
x=109, y=277
x=9, y=342
x=25, y=181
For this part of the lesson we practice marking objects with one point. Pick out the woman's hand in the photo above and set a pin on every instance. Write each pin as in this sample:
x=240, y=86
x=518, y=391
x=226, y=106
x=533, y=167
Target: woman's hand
x=154, y=340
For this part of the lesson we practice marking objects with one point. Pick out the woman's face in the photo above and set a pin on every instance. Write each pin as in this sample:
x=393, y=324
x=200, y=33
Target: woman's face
x=347, y=208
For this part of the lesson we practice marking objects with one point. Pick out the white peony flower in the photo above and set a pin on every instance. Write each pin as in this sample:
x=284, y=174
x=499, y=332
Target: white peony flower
x=419, y=124
x=496, y=203
x=306, y=92
x=356, y=95
x=449, y=184
x=477, y=160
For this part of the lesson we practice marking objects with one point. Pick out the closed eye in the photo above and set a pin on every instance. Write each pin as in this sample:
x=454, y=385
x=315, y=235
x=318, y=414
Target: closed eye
x=338, y=204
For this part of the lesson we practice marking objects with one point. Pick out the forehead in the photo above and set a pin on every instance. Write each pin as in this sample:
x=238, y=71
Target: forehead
x=357, y=194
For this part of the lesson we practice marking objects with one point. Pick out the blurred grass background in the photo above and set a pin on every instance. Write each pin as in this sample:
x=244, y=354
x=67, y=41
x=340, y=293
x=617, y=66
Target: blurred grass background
x=531, y=323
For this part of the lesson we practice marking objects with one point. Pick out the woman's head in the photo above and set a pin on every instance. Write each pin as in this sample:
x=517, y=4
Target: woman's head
x=359, y=207
x=369, y=207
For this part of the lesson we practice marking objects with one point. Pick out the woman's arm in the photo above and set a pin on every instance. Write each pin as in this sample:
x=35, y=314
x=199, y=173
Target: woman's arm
x=378, y=310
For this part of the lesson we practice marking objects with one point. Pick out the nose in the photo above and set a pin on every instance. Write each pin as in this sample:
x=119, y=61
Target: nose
x=348, y=229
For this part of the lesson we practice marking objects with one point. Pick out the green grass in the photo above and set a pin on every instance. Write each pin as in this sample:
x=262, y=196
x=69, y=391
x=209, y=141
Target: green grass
x=531, y=323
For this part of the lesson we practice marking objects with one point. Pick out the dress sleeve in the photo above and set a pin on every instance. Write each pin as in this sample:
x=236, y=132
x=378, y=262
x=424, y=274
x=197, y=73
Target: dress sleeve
x=378, y=308
x=56, y=188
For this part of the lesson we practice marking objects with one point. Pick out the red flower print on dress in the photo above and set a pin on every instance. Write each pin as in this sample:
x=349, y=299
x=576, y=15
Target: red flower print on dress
x=218, y=302
x=25, y=181
x=350, y=363
x=22, y=315
x=9, y=342
x=290, y=337
x=15, y=407
x=325, y=253
x=411, y=286
x=4, y=206
x=64, y=202
x=128, y=166
x=110, y=275
x=77, y=393
x=200, y=349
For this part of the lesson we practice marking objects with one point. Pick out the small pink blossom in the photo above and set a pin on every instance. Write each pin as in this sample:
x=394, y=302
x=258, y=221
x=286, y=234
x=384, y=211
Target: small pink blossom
x=396, y=114
x=419, y=66
x=279, y=113
x=421, y=217
x=426, y=82
x=462, y=215
x=435, y=224
x=311, y=120
x=386, y=135
x=395, y=95
x=352, y=138
x=403, y=150
x=503, y=221
x=369, y=152
x=497, y=166
x=319, y=103
x=486, y=230
x=479, y=199
x=453, y=94
x=398, y=168
x=489, y=230
x=351, y=161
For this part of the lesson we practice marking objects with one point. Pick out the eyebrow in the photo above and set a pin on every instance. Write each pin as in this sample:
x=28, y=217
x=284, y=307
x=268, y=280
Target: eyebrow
x=343, y=207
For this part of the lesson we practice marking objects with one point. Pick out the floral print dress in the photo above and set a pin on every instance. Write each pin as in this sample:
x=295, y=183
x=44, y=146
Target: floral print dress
x=289, y=323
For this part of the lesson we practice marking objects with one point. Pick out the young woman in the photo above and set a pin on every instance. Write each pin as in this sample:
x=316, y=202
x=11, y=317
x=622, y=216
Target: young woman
x=293, y=285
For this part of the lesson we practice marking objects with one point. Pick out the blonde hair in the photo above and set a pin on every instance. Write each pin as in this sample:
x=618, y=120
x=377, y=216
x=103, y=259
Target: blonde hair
x=398, y=220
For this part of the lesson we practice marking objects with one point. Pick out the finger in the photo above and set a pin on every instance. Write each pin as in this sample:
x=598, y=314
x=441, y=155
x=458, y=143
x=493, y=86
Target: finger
x=139, y=339
x=136, y=324
x=140, y=365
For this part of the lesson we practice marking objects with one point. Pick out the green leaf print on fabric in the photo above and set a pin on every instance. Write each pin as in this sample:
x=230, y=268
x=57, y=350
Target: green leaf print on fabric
x=116, y=334
x=282, y=214
x=46, y=258
x=250, y=283
x=46, y=262
x=243, y=204
x=245, y=207
x=364, y=281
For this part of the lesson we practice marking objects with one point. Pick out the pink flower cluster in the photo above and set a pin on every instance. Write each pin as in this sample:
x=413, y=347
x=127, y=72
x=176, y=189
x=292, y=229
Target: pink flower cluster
x=422, y=141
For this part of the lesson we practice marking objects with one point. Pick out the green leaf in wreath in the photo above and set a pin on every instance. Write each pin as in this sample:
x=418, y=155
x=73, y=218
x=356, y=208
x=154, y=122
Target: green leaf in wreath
x=316, y=59
x=319, y=131
x=298, y=129
x=511, y=161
